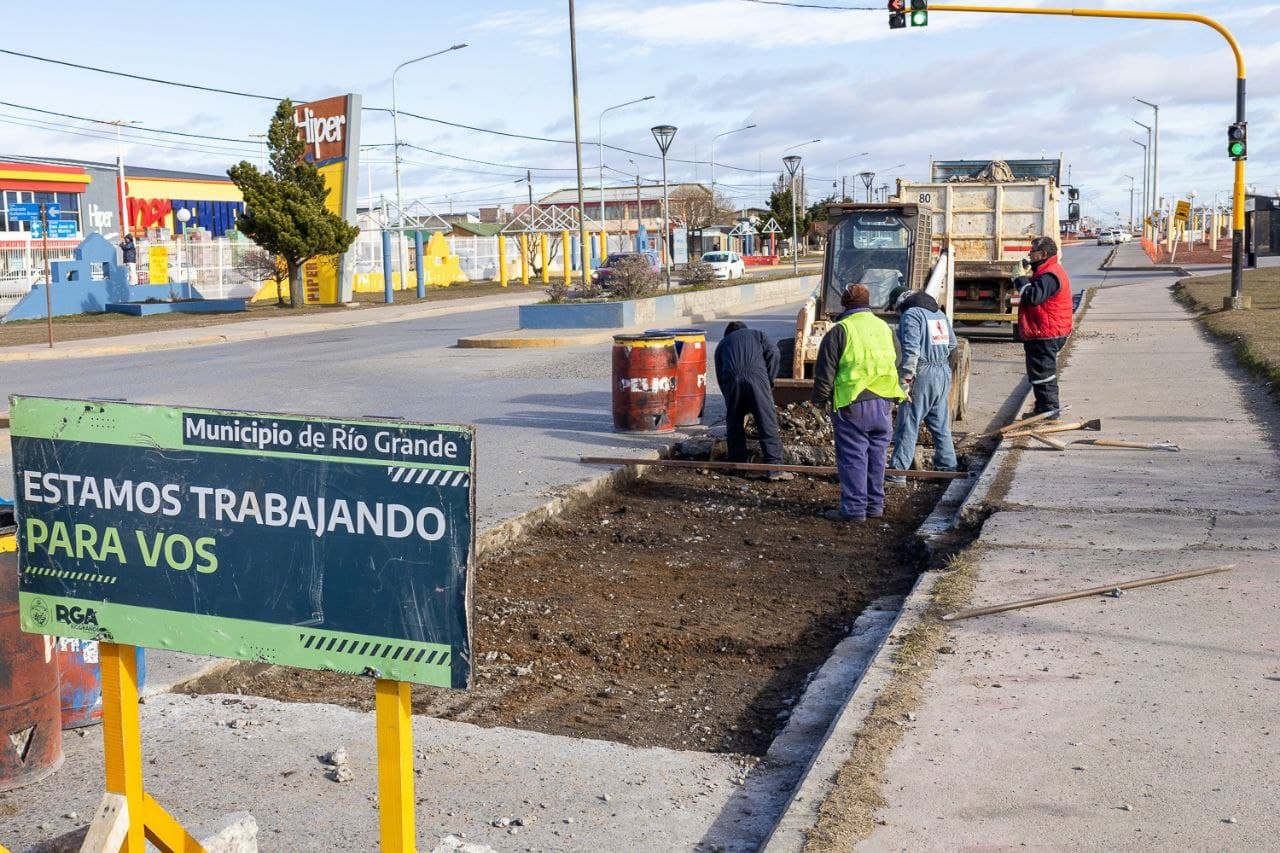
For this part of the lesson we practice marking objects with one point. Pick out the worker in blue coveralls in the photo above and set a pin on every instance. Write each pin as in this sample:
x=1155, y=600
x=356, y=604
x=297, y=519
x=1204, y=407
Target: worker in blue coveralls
x=855, y=379
x=925, y=342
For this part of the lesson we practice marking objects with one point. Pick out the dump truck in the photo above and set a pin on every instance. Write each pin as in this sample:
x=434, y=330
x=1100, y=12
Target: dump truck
x=987, y=213
x=887, y=247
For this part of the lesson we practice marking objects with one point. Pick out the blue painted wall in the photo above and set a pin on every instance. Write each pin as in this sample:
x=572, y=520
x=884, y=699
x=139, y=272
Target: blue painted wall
x=76, y=292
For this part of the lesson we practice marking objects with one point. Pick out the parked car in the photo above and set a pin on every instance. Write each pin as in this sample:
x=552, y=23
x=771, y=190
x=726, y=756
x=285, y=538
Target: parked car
x=726, y=264
x=601, y=275
x=1107, y=238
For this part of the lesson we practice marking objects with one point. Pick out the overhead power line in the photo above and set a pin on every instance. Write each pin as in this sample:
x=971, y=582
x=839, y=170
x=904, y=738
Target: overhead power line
x=445, y=122
x=247, y=140
x=141, y=77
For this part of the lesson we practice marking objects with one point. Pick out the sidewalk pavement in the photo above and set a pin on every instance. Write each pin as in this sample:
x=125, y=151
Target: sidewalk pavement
x=1148, y=720
x=252, y=330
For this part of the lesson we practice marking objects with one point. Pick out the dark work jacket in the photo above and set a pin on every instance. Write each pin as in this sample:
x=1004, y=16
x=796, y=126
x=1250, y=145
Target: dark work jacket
x=746, y=356
x=129, y=250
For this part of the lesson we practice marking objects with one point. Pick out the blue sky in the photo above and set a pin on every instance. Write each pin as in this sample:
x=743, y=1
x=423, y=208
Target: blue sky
x=973, y=86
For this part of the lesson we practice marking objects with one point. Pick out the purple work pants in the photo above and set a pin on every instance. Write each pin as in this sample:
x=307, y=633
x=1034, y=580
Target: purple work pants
x=862, y=431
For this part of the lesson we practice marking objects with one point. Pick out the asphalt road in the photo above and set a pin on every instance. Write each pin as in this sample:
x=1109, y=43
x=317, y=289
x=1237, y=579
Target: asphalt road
x=537, y=410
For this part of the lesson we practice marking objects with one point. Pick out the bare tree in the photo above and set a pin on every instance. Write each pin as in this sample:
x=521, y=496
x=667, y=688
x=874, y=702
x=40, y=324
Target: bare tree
x=694, y=206
x=261, y=265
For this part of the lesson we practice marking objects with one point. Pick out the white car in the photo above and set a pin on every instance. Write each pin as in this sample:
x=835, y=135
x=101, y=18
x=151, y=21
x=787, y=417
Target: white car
x=1123, y=236
x=726, y=264
x=1107, y=238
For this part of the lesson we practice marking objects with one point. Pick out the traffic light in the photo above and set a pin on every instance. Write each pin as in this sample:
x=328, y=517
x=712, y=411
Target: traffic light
x=919, y=13
x=1073, y=212
x=1073, y=194
x=897, y=14
x=1237, y=141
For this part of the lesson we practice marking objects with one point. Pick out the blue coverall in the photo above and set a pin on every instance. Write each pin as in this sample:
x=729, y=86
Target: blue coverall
x=926, y=340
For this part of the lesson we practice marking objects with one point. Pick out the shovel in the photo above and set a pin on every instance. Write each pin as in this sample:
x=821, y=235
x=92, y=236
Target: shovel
x=1134, y=445
x=1093, y=425
x=1025, y=422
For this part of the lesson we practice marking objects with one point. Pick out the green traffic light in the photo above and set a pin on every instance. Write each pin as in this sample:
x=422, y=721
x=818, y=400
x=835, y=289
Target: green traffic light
x=1235, y=148
x=920, y=18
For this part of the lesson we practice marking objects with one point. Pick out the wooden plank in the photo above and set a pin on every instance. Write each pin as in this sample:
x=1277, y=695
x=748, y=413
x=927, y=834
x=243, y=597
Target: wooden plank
x=761, y=467
x=109, y=827
x=395, y=766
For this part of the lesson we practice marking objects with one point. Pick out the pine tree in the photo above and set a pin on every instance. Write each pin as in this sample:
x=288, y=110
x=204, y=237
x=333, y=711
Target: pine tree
x=284, y=207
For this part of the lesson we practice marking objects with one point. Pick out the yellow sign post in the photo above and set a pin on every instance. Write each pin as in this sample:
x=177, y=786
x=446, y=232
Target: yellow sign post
x=148, y=821
x=158, y=265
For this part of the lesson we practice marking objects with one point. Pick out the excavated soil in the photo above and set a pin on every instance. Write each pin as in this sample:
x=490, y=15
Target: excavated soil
x=687, y=610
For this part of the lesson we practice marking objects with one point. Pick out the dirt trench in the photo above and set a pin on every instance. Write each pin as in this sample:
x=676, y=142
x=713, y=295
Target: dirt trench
x=686, y=610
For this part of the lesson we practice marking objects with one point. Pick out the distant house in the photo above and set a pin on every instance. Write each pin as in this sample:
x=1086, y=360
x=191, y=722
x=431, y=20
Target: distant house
x=474, y=229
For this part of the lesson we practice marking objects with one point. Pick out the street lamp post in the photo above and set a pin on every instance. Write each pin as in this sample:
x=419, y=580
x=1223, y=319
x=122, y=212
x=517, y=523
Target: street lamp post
x=1131, y=179
x=868, y=178
x=1155, y=153
x=1146, y=207
x=1147, y=203
x=663, y=134
x=792, y=162
x=577, y=146
x=844, y=194
x=395, y=137
x=120, y=191
x=604, y=250
x=713, y=164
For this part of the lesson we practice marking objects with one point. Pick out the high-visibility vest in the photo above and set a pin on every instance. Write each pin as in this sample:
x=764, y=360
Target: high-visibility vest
x=869, y=361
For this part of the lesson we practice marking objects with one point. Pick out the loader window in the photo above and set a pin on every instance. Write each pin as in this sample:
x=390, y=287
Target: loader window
x=873, y=249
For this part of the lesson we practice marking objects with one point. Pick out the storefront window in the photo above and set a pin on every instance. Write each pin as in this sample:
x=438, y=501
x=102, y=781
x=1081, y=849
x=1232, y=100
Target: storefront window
x=68, y=202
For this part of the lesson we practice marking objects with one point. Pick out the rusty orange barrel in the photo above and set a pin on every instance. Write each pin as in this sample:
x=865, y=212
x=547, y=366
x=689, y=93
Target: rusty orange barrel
x=691, y=374
x=644, y=382
x=80, y=677
x=30, y=721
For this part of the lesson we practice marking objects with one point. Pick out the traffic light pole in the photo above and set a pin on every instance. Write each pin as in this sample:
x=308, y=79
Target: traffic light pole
x=1236, y=300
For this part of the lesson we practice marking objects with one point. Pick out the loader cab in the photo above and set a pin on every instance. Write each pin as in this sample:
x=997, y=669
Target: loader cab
x=884, y=247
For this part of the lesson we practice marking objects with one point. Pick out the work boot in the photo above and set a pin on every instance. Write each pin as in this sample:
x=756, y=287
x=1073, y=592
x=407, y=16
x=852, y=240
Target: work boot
x=895, y=481
x=838, y=516
x=780, y=476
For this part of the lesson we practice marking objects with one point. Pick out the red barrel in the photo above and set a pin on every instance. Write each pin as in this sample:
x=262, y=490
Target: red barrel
x=30, y=723
x=691, y=374
x=644, y=382
x=81, y=681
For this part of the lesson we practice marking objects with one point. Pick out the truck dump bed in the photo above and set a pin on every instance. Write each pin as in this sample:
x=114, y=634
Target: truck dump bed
x=989, y=225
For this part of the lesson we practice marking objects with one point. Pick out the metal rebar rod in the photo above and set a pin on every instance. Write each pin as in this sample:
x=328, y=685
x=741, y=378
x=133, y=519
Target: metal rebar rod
x=764, y=467
x=1084, y=593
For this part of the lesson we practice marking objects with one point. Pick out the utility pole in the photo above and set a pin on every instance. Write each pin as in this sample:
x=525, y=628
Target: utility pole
x=1131, y=179
x=1155, y=152
x=583, y=248
x=120, y=188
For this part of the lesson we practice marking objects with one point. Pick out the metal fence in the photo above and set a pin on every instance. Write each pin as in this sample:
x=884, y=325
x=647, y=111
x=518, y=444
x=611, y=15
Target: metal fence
x=22, y=265
x=219, y=269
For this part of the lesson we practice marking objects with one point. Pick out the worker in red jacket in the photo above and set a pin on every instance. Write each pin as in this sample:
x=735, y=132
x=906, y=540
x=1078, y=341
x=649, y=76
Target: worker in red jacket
x=1044, y=320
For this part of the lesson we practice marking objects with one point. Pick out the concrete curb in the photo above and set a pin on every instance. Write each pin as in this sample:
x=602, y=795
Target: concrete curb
x=801, y=812
x=71, y=350
x=516, y=341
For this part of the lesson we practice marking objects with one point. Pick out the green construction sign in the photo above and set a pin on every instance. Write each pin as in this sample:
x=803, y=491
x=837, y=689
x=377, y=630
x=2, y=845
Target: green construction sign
x=343, y=545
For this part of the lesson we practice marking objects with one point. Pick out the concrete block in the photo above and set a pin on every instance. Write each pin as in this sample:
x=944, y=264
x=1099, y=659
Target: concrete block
x=234, y=833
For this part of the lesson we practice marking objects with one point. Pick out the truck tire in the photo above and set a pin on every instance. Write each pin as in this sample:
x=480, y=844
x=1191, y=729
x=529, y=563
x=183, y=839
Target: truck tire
x=786, y=357
x=961, y=359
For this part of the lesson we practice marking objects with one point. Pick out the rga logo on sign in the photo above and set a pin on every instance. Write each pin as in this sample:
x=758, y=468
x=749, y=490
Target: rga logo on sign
x=75, y=615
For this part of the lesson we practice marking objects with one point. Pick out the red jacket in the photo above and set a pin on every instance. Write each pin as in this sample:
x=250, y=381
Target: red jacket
x=1050, y=318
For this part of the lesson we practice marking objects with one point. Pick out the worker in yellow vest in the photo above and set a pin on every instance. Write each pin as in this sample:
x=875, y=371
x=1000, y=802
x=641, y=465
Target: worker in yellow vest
x=856, y=378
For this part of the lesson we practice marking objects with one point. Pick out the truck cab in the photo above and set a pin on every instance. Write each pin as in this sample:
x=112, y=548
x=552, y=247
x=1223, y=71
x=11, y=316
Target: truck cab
x=888, y=248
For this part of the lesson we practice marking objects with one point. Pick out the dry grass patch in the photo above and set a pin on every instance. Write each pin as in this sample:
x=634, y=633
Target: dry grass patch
x=848, y=813
x=1254, y=335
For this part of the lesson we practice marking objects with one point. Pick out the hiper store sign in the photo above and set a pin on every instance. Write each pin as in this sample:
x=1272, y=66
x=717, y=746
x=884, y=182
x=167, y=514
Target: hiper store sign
x=331, y=130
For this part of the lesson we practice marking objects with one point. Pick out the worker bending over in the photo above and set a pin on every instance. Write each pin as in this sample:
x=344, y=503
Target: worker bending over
x=746, y=365
x=1044, y=320
x=856, y=379
x=926, y=341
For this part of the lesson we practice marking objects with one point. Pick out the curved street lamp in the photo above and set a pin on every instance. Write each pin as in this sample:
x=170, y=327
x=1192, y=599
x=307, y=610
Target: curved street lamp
x=604, y=250
x=663, y=134
x=792, y=162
